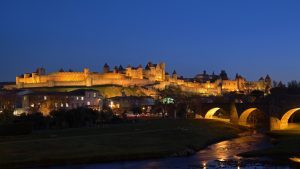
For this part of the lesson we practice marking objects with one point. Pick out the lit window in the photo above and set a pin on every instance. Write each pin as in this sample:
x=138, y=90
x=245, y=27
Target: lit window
x=67, y=105
x=61, y=105
x=77, y=98
x=88, y=103
x=95, y=94
x=111, y=105
x=45, y=97
x=55, y=104
x=82, y=98
x=32, y=105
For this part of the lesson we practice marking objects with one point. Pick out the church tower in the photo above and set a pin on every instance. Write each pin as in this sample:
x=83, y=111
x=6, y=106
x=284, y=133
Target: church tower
x=105, y=68
x=268, y=82
x=174, y=75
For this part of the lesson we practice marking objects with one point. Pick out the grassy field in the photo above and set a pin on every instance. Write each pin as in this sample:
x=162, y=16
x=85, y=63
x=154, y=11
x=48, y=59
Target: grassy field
x=286, y=145
x=140, y=140
x=105, y=90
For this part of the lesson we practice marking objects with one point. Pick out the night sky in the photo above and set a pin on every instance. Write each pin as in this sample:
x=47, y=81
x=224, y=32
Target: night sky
x=253, y=38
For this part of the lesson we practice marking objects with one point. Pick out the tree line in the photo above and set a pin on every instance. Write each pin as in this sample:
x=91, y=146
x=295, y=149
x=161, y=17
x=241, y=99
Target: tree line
x=58, y=119
x=292, y=87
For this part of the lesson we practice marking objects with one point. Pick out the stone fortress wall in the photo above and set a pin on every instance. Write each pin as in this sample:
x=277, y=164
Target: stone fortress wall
x=152, y=74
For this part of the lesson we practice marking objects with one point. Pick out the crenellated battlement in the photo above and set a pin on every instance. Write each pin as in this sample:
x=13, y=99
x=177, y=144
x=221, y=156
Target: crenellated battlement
x=139, y=76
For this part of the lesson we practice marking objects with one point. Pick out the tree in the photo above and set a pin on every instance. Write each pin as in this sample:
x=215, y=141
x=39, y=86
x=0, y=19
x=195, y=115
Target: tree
x=275, y=83
x=257, y=94
x=36, y=119
x=293, y=87
x=136, y=110
x=106, y=116
x=293, y=84
x=6, y=117
x=79, y=117
x=173, y=92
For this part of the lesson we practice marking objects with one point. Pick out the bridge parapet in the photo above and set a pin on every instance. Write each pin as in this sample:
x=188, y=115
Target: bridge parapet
x=277, y=116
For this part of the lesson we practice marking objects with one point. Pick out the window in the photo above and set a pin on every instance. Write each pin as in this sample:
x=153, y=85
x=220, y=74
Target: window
x=95, y=94
x=45, y=97
x=67, y=105
x=77, y=98
x=61, y=105
x=88, y=103
x=55, y=104
x=82, y=98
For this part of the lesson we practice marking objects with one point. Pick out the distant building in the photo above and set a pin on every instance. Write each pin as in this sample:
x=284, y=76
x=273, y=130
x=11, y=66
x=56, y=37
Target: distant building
x=8, y=99
x=45, y=102
x=128, y=103
x=3, y=84
x=204, y=77
x=153, y=75
x=239, y=84
x=118, y=75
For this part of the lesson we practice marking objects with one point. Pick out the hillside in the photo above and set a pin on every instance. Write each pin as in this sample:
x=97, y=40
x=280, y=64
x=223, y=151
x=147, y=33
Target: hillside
x=106, y=90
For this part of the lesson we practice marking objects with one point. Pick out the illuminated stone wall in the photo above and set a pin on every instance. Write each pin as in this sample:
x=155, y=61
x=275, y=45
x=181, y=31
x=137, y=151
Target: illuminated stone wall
x=154, y=74
x=229, y=85
x=132, y=76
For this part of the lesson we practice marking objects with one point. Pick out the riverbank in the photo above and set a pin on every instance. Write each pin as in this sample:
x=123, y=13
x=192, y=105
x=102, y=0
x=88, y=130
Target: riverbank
x=286, y=146
x=141, y=140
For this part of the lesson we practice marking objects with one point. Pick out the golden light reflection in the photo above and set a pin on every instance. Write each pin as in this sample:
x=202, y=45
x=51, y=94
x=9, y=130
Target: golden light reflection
x=221, y=159
x=295, y=159
x=204, y=164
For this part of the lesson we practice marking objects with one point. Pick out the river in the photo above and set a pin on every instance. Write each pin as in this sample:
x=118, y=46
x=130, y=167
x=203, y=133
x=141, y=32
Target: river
x=219, y=155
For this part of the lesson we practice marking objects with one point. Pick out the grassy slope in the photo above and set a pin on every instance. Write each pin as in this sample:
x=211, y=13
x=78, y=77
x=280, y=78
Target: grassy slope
x=105, y=90
x=286, y=146
x=145, y=139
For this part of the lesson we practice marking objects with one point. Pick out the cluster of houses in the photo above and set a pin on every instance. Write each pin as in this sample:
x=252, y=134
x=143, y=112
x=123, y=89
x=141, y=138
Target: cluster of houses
x=29, y=101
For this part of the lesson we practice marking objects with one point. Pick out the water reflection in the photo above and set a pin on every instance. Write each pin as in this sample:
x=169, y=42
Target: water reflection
x=295, y=159
x=220, y=155
x=230, y=149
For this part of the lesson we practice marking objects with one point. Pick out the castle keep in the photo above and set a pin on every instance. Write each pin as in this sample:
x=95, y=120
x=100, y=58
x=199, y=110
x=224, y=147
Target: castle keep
x=151, y=75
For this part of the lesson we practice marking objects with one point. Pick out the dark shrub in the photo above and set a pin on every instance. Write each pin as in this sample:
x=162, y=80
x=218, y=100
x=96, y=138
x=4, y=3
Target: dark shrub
x=15, y=129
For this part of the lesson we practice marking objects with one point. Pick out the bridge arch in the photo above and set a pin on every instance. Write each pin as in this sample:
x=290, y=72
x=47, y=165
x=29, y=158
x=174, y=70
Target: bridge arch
x=211, y=112
x=284, y=122
x=243, y=119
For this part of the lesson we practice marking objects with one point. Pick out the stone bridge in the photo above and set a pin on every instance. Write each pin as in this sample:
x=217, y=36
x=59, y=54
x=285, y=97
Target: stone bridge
x=273, y=115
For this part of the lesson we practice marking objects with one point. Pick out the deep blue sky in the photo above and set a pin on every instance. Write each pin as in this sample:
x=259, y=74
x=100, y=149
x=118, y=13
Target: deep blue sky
x=252, y=38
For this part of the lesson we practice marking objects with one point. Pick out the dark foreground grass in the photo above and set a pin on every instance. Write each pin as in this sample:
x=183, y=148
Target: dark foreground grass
x=286, y=145
x=141, y=140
